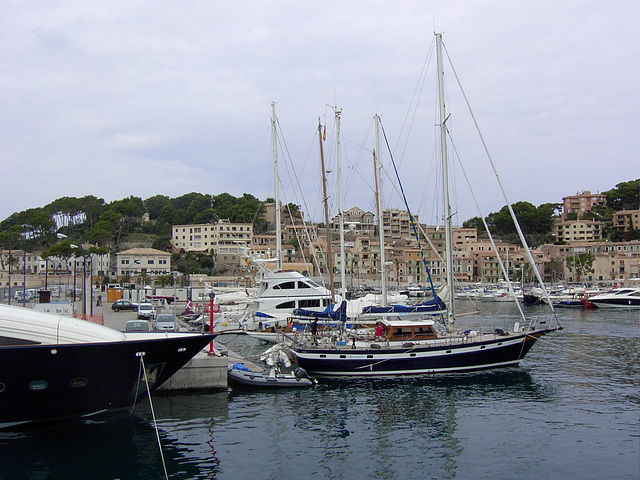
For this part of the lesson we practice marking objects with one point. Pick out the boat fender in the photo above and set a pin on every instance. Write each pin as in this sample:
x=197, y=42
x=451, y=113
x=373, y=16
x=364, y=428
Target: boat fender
x=408, y=344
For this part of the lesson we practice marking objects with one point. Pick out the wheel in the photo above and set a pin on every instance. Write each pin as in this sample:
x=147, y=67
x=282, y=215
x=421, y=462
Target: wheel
x=116, y=309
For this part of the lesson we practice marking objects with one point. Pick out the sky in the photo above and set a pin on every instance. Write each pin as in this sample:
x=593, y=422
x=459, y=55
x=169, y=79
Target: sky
x=115, y=98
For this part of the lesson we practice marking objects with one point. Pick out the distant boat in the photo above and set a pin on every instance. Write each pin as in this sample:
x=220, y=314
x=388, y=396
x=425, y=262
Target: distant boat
x=628, y=297
x=409, y=347
x=532, y=299
x=54, y=367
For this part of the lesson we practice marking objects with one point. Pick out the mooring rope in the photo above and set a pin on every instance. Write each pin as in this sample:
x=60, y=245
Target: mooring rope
x=153, y=415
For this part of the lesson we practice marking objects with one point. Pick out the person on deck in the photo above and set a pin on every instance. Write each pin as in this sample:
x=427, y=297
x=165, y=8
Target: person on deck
x=379, y=332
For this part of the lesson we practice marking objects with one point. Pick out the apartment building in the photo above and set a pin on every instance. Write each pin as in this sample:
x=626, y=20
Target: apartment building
x=220, y=238
x=582, y=202
x=143, y=261
x=627, y=220
x=578, y=231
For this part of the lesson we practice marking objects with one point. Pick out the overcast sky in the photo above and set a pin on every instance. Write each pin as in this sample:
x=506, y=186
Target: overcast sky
x=115, y=98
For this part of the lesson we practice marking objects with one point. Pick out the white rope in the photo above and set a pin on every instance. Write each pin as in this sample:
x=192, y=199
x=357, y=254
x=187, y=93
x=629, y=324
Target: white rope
x=153, y=414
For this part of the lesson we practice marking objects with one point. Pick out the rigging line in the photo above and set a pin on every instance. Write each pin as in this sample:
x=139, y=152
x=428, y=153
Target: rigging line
x=289, y=164
x=493, y=244
x=504, y=193
x=415, y=101
x=153, y=414
x=411, y=217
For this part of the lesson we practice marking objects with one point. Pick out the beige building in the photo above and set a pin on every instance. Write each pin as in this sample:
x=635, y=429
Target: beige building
x=356, y=221
x=221, y=238
x=397, y=225
x=571, y=231
x=141, y=261
x=626, y=220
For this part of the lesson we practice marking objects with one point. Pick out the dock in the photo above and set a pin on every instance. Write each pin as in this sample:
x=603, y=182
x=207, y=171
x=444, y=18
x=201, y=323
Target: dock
x=207, y=370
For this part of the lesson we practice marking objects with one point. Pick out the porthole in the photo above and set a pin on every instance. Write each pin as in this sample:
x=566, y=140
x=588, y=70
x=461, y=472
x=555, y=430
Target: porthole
x=79, y=382
x=483, y=346
x=448, y=351
x=2, y=387
x=54, y=351
x=343, y=356
x=323, y=356
x=38, y=385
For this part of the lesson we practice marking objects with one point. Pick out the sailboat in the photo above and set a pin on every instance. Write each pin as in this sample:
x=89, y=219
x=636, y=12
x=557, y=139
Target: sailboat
x=281, y=291
x=429, y=345
x=286, y=294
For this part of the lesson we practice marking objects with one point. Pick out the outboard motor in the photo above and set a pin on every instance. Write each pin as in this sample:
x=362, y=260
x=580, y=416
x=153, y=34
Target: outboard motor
x=302, y=373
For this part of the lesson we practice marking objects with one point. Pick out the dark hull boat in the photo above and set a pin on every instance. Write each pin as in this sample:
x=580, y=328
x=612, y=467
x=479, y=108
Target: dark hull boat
x=490, y=351
x=54, y=367
x=616, y=298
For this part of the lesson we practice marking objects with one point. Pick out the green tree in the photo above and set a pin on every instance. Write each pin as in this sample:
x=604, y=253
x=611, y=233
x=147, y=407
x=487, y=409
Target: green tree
x=536, y=222
x=553, y=269
x=626, y=196
x=581, y=264
x=475, y=222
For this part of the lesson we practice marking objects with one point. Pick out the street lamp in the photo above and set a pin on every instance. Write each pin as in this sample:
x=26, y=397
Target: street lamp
x=24, y=265
x=175, y=299
x=75, y=263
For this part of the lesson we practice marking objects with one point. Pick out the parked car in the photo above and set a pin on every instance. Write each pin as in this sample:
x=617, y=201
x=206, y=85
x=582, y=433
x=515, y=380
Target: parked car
x=137, y=326
x=21, y=294
x=123, y=305
x=166, y=322
x=146, y=311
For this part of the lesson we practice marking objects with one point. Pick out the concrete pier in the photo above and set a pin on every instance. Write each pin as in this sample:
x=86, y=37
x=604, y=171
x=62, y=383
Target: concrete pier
x=202, y=372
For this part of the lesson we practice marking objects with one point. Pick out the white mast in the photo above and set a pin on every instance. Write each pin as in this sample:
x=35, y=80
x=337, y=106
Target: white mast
x=377, y=168
x=343, y=260
x=445, y=185
x=277, y=188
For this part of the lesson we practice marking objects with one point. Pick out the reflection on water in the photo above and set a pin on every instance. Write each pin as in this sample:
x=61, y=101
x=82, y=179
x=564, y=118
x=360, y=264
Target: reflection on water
x=119, y=446
x=570, y=411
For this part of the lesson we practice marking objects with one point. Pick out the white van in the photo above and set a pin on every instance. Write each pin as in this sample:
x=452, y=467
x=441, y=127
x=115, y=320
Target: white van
x=146, y=311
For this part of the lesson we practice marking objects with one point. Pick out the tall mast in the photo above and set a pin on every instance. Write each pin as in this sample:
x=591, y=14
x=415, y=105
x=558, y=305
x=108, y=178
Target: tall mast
x=276, y=182
x=329, y=261
x=445, y=186
x=377, y=170
x=343, y=260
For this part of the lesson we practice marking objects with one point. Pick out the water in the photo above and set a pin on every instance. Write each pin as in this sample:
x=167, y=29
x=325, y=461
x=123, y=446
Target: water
x=570, y=411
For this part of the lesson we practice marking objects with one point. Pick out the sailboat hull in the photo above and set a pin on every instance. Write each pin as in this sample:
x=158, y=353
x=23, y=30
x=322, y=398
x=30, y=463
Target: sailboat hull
x=415, y=360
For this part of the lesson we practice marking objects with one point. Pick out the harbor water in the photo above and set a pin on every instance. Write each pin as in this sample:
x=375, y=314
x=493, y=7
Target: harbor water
x=571, y=410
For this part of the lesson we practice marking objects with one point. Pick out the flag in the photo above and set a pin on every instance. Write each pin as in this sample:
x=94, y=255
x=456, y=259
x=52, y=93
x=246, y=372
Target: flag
x=187, y=308
x=324, y=133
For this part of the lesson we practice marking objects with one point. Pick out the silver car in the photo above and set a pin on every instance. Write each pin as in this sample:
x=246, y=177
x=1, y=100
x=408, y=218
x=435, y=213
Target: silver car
x=166, y=322
x=137, y=326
